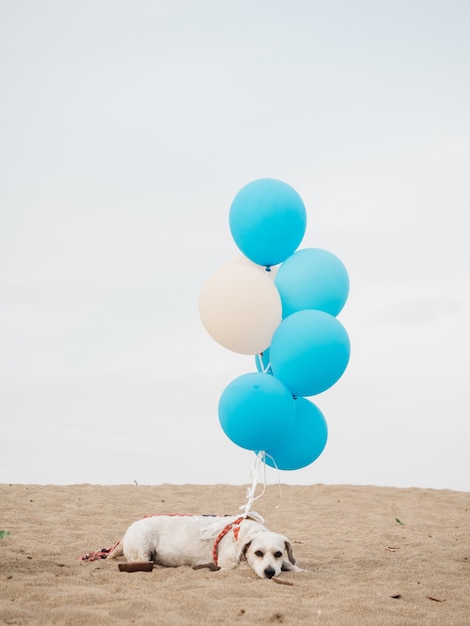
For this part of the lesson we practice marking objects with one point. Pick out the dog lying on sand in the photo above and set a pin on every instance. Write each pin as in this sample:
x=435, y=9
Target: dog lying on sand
x=207, y=541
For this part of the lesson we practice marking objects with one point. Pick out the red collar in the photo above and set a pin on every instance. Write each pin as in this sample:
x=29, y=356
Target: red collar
x=227, y=529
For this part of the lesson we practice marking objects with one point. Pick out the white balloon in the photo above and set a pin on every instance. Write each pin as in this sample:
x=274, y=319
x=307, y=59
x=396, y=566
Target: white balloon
x=240, y=307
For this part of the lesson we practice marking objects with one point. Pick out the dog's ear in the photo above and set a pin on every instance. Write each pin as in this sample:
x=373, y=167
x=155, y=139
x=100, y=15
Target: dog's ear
x=290, y=566
x=290, y=553
x=241, y=553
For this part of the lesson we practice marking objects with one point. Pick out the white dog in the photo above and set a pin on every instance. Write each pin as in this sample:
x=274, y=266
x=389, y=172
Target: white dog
x=207, y=540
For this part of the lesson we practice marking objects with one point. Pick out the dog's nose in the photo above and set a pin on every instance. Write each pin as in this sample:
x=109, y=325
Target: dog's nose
x=269, y=572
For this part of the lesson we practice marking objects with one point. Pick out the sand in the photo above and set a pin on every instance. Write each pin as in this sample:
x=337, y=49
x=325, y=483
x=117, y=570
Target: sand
x=375, y=556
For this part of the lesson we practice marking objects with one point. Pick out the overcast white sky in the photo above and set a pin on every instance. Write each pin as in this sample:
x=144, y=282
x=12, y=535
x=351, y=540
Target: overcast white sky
x=126, y=129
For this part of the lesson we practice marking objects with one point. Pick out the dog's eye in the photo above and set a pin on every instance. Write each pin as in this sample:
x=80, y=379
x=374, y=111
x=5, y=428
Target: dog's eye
x=277, y=555
x=259, y=553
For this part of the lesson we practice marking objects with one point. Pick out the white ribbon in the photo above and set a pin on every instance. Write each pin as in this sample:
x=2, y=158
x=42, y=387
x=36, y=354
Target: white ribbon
x=250, y=492
x=260, y=366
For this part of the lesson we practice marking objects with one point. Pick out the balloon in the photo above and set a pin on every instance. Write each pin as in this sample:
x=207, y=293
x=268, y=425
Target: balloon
x=312, y=278
x=309, y=352
x=267, y=221
x=305, y=442
x=256, y=411
x=240, y=308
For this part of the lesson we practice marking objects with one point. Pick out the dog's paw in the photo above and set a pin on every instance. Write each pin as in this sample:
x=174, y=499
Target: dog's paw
x=290, y=567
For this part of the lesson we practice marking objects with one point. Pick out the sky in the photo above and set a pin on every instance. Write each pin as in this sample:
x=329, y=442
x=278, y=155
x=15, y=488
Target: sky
x=126, y=130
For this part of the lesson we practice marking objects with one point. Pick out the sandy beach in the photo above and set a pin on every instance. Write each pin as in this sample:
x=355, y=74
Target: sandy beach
x=374, y=556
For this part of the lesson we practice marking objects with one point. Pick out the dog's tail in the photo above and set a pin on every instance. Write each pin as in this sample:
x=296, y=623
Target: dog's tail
x=116, y=551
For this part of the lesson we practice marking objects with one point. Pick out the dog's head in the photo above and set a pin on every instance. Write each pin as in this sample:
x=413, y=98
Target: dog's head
x=265, y=553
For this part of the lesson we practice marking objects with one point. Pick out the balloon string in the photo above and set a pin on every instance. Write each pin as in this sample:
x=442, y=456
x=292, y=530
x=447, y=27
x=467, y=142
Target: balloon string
x=260, y=364
x=254, y=473
x=278, y=477
x=250, y=492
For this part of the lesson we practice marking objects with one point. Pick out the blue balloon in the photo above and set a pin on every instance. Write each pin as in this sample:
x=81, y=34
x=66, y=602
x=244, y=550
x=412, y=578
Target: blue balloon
x=263, y=362
x=256, y=411
x=309, y=352
x=305, y=442
x=312, y=278
x=267, y=221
